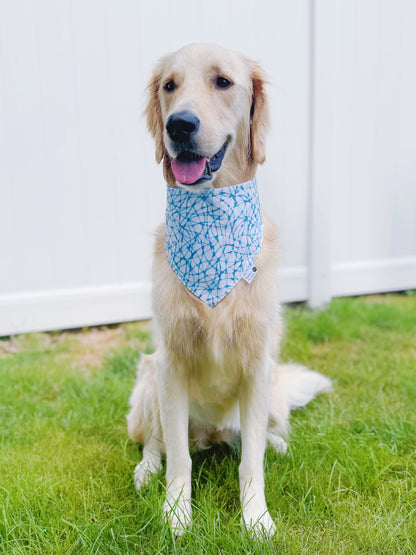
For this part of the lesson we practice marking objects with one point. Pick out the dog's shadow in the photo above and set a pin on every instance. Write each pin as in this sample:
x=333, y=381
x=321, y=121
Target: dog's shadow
x=216, y=463
x=214, y=466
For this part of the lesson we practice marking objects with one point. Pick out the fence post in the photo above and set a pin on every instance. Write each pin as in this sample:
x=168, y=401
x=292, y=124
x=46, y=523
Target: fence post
x=322, y=39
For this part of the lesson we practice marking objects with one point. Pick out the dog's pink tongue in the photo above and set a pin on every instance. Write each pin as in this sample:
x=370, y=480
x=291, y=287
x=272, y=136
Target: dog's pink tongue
x=188, y=172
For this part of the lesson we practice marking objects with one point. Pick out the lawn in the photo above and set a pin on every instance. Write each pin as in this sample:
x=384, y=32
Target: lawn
x=346, y=485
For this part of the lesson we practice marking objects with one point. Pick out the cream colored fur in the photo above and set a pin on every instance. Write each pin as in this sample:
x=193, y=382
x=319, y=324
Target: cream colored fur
x=215, y=372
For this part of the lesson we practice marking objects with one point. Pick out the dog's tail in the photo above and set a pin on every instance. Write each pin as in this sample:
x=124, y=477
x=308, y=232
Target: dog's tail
x=298, y=385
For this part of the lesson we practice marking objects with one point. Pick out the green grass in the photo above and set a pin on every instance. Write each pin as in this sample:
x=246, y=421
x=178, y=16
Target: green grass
x=347, y=484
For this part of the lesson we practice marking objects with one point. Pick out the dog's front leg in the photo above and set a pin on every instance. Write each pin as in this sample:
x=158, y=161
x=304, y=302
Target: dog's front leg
x=174, y=414
x=254, y=400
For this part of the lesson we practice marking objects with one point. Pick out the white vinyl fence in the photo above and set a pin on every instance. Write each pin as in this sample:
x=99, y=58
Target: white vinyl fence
x=80, y=193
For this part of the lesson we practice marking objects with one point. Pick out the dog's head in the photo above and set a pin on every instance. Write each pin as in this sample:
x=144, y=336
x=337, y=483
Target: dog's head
x=208, y=114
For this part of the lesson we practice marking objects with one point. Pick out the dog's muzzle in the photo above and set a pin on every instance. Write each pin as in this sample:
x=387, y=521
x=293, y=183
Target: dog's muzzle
x=189, y=166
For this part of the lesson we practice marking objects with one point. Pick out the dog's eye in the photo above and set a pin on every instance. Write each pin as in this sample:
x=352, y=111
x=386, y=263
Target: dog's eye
x=222, y=83
x=170, y=86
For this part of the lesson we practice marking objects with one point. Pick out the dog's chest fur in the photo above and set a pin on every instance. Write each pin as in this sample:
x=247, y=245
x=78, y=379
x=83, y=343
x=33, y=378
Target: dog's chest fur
x=214, y=347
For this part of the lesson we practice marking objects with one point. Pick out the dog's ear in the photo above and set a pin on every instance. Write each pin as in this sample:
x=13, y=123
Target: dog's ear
x=259, y=114
x=153, y=111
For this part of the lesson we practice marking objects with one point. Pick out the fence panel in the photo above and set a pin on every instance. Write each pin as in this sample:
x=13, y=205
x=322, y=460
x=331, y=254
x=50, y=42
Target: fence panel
x=81, y=193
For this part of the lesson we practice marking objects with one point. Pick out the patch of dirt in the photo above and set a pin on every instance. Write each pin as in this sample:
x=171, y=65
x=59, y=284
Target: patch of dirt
x=9, y=347
x=87, y=348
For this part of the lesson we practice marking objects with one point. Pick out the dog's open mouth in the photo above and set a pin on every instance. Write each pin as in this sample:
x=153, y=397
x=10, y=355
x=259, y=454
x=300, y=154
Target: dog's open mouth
x=190, y=168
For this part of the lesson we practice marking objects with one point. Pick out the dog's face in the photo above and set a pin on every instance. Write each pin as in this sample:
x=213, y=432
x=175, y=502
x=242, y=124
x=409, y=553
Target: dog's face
x=208, y=114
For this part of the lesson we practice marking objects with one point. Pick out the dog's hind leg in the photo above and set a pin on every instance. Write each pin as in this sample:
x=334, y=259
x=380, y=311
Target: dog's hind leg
x=278, y=423
x=149, y=465
x=143, y=421
x=291, y=386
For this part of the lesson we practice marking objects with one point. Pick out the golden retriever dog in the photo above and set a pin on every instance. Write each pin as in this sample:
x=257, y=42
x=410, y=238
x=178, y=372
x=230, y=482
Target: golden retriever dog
x=215, y=372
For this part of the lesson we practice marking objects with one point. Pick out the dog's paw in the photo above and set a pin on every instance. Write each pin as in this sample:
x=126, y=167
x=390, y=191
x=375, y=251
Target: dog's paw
x=143, y=473
x=256, y=517
x=262, y=528
x=178, y=514
x=278, y=443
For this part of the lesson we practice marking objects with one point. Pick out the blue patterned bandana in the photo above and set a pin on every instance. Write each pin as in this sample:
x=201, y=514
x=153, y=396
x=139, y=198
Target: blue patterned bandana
x=213, y=238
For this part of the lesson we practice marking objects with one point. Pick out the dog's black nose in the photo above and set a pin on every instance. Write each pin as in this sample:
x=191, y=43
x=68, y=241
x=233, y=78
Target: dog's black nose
x=182, y=125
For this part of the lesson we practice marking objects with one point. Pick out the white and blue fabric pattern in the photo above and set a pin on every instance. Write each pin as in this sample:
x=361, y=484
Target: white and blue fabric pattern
x=213, y=237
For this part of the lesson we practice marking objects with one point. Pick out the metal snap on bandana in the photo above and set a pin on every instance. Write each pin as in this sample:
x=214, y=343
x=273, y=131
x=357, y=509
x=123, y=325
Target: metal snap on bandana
x=213, y=238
